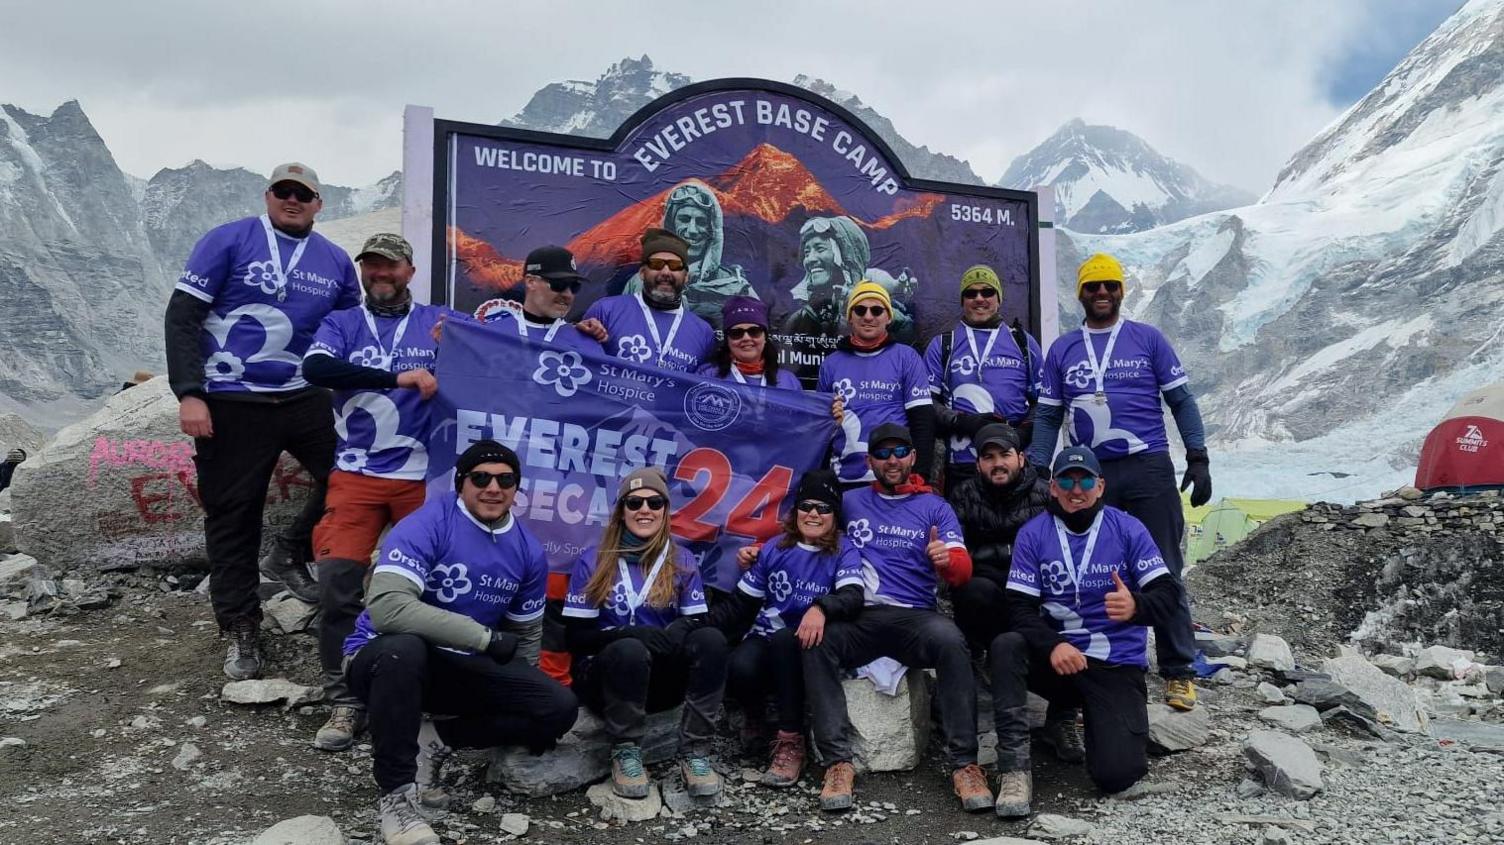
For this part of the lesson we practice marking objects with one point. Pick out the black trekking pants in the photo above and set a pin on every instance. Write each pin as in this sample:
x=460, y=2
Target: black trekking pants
x=773, y=664
x=625, y=682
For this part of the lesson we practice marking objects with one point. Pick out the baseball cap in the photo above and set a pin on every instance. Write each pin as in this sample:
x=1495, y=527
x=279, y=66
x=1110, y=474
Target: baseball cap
x=296, y=172
x=387, y=245
x=890, y=431
x=1076, y=457
x=997, y=434
x=552, y=262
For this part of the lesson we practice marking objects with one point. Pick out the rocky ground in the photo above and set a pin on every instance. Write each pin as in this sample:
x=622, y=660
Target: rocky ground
x=113, y=728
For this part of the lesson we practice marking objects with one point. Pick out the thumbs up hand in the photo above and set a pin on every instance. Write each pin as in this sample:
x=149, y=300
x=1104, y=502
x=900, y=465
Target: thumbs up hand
x=939, y=553
x=1120, y=604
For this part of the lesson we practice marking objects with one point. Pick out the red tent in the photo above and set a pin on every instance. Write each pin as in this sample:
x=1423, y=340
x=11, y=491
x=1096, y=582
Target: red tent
x=1466, y=449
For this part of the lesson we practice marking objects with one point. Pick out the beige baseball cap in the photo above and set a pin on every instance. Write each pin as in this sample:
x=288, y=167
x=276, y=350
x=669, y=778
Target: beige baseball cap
x=296, y=172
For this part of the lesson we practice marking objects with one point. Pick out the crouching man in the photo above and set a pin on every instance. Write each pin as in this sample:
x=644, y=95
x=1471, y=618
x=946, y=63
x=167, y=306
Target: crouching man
x=452, y=625
x=1086, y=580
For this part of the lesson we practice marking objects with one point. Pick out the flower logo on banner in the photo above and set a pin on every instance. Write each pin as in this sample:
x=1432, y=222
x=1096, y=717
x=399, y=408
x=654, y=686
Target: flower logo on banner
x=562, y=370
x=634, y=347
x=1080, y=376
x=1055, y=576
x=860, y=532
x=223, y=366
x=963, y=365
x=449, y=581
x=620, y=605
x=369, y=356
x=262, y=274
x=844, y=389
x=779, y=586
x=352, y=459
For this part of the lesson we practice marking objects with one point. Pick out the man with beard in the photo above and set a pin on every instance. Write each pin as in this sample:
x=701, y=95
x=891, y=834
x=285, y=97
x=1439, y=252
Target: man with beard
x=1109, y=377
x=377, y=359
x=239, y=320
x=653, y=326
x=550, y=283
x=694, y=214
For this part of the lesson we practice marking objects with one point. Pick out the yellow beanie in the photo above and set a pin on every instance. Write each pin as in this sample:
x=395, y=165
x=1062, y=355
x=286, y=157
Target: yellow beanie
x=981, y=274
x=1100, y=268
x=869, y=290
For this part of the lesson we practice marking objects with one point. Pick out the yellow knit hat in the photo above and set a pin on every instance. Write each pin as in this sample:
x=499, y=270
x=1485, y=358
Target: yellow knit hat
x=869, y=290
x=981, y=274
x=1100, y=268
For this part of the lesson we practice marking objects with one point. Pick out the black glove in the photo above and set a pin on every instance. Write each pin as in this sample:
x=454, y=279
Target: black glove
x=1198, y=476
x=503, y=646
x=656, y=639
x=970, y=424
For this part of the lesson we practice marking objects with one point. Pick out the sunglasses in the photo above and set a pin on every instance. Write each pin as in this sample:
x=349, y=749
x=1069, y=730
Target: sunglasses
x=740, y=332
x=482, y=480
x=979, y=293
x=302, y=194
x=883, y=453
x=637, y=503
x=864, y=310
x=1110, y=287
x=561, y=285
x=821, y=508
x=1067, y=483
x=673, y=264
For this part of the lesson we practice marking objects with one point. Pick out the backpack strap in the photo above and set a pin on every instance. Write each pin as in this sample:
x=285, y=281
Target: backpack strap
x=1022, y=340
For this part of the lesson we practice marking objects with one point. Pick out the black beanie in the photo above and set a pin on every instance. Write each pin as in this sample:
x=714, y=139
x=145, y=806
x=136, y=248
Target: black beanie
x=662, y=240
x=819, y=485
x=484, y=452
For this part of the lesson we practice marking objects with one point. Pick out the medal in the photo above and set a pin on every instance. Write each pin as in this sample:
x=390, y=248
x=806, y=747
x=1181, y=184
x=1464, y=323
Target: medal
x=1099, y=368
x=1101, y=397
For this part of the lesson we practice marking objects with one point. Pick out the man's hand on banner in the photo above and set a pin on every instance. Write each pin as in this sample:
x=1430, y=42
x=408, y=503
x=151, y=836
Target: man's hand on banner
x=420, y=380
x=747, y=555
x=595, y=329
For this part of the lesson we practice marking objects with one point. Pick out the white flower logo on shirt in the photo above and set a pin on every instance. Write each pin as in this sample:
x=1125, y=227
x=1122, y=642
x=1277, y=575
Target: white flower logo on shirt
x=369, y=356
x=1055, y=576
x=449, y=581
x=263, y=274
x=352, y=459
x=224, y=366
x=860, y=532
x=562, y=370
x=1080, y=375
x=963, y=365
x=620, y=605
x=634, y=347
x=779, y=586
x=844, y=389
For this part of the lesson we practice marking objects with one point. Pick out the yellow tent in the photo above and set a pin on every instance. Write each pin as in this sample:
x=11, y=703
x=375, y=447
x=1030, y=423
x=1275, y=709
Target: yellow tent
x=1226, y=521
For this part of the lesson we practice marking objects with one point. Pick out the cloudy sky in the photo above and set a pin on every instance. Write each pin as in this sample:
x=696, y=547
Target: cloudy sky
x=1232, y=89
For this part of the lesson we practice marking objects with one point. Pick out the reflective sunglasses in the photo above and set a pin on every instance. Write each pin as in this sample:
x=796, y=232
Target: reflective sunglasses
x=673, y=264
x=812, y=506
x=637, y=503
x=979, y=293
x=864, y=310
x=285, y=190
x=740, y=332
x=1067, y=483
x=1111, y=287
x=482, y=480
x=561, y=285
x=883, y=453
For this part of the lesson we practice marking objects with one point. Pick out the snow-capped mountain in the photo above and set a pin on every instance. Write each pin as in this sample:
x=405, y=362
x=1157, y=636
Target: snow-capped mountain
x=1107, y=180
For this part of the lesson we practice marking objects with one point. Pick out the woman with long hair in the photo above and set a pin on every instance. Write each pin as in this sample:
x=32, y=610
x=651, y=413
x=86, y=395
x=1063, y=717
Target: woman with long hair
x=632, y=621
x=778, y=597
x=747, y=354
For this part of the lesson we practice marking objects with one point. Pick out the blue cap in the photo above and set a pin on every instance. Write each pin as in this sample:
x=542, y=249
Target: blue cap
x=1076, y=457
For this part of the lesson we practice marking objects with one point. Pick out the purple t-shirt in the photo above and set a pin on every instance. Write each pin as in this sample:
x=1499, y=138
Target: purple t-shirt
x=463, y=566
x=1080, y=615
x=261, y=320
x=1000, y=386
x=879, y=387
x=560, y=333
x=789, y=580
x=785, y=378
x=891, y=533
x=689, y=593
x=660, y=343
x=382, y=433
x=1143, y=366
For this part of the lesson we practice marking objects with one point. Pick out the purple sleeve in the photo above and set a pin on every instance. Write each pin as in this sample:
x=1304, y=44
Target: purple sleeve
x=411, y=548
x=1168, y=370
x=1036, y=378
x=916, y=382
x=329, y=339
x=575, y=603
x=1023, y=575
x=935, y=366
x=527, y=604
x=208, y=266
x=1051, y=389
x=691, y=588
x=950, y=527
x=754, y=582
x=349, y=289
x=848, y=566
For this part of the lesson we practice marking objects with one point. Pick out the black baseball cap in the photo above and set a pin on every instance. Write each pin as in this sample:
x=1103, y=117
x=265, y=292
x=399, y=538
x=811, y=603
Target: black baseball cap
x=552, y=262
x=1001, y=435
x=891, y=431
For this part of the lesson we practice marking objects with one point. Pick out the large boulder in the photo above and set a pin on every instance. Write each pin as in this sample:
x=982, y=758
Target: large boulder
x=119, y=488
x=1173, y=730
x=583, y=756
x=16, y=433
x=1287, y=765
x=1392, y=702
x=891, y=732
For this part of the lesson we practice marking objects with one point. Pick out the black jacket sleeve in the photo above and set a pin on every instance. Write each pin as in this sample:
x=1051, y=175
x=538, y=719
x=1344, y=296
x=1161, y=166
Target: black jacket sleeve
x=329, y=371
x=584, y=637
x=185, y=358
x=1158, y=601
x=1023, y=617
x=922, y=429
x=735, y=614
x=843, y=604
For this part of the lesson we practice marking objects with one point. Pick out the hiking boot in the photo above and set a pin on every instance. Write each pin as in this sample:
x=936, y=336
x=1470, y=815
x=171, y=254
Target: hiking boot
x=401, y=822
x=338, y=734
x=1063, y=736
x=699, y=778
x=1180, y=693
x=835, y=794
x=628, y=778
x=1014, y=792
x=788, y=760
x=291, y=571
x=432, y=752
x=243, y=658
x=970, y=783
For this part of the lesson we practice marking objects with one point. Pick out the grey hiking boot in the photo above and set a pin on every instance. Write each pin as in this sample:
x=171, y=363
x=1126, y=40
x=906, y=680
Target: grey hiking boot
x=628, y=778
x=401, y=822
x=290, y=570
x=1015, y=790
x=338, y=734
x=1063, y=736
x=432, y=753
x=243, y=658
x=699, y=778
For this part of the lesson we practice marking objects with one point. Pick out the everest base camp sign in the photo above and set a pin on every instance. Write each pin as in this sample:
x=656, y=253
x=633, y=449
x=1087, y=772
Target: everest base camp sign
x=580, y=421
x=780, y=194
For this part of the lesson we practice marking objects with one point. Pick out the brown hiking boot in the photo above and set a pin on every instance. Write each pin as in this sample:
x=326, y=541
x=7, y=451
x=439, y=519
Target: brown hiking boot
x=1014, y=792
x=628, y=778
x=840, y=779
x=971, y=787
x=788, y=760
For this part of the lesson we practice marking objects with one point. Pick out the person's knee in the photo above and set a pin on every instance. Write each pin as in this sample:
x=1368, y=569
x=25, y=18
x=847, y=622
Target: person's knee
x=704, y=642
x=943, y=641
x=1009, y=649
x=784, y=641
x=976, y=596
x=560, y=714
x=627, y=651
x=399, y=655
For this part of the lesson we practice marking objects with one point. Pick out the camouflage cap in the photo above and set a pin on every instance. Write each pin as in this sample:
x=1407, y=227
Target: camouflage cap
x=296, y=172
x=387, y=245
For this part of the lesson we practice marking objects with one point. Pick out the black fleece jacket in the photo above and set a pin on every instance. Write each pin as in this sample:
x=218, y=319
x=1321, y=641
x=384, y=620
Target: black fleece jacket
x=991, y=516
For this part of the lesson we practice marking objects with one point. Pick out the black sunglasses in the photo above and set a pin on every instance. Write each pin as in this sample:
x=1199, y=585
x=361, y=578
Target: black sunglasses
x=561, y=285
x=812, y=506
x=979, y=293
x=1093, y=287
x=482, y=479
x=883, y=453
x=283, y=191
x=864, y=310
x=745, y=331
x=637, y=503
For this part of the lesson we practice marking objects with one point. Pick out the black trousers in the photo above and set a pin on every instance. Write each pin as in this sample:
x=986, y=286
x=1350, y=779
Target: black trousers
x=342, y=594
x=1144, y=486
x=625, y=682
x=917, y=638
x=234, y=468
x=763, y=665
x=980, y=612
x=1112, y=698
x=401, y=676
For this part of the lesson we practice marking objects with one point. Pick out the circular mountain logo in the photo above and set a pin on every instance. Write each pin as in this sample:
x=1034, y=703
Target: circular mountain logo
x=711, y=406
